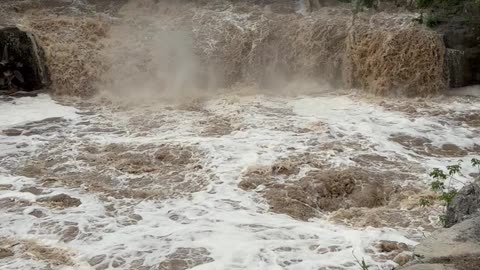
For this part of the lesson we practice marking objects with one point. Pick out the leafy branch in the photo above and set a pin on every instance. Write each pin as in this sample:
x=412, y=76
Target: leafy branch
x=446, y=193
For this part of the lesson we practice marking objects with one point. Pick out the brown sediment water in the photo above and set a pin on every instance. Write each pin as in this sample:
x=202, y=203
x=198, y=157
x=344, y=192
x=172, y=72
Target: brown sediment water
x=305, y=180
x=223, y=135
x=186, y=48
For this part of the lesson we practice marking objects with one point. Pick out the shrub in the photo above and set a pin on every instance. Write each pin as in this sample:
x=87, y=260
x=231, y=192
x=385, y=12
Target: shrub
x=431, y=20
x=446, y=192
x=423, y=3
x=368, y=3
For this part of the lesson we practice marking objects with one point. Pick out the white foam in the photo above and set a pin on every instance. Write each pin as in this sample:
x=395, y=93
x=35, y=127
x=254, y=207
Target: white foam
x=374, y=123
x=29, y=109
x=233, y=225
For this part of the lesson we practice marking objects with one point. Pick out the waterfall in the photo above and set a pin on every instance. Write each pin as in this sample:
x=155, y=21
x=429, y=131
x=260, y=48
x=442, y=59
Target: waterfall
x=38, y=57
x=269, y=44
x=455, y=63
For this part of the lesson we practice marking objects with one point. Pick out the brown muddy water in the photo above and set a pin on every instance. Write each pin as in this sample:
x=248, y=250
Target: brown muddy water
x=225, y=136
x=278, y=183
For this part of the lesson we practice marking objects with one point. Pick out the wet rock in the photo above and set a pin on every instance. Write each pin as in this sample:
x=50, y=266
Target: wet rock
x=454, y=248
x=24, y=94
x=61, y=200
x=22, y=63
x=173, y=264
x=389, y=246
x=251, y=183
x=5, y=187
x=9, y=203
x=463, y=51
x=97, y=259
x=285, y=249
x=460, y=239
x=465, y=204
x=391, y=251
x=453, y=150
x=37, y=213
x=118, y=262
x=12, y=132
x=424, y=146
x=328, y=249
x=21, y=145
x=102, y=266
x=4, y=253
x=403, y=258
x=135, y=217
x=33, y=190
x=70, y=233
x=430, y=267
x=139, y=264
x=185, y=258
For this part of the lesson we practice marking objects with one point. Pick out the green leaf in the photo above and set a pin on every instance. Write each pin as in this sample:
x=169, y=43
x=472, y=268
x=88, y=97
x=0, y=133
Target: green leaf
x=442, y=219
x=475, y=162
x=454, y=169
x=438, y=174
x=437, y=186
x=424, y=202
x=448, y=196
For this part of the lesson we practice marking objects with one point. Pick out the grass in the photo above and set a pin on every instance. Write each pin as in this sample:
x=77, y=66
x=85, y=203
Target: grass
x=361, y=264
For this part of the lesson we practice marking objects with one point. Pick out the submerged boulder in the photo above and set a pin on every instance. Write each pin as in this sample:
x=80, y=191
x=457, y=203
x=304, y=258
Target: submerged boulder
x=22, y=63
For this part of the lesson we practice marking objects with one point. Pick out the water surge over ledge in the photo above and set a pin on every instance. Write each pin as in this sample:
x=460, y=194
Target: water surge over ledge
x=224, y=135
x=167, y=46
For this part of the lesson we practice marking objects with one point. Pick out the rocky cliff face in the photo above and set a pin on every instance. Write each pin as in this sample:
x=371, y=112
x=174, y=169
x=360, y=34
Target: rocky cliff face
x=465, y=205
x=22, y=65
x=462, y=40
x=455, y=248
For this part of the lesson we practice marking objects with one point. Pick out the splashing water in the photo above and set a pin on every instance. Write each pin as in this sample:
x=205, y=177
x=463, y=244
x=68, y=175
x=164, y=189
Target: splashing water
x=191, y=212
x=218, y=44
x=148, y=175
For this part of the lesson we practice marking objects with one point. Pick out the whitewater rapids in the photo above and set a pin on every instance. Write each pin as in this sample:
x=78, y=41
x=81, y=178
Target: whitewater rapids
x=202, y=220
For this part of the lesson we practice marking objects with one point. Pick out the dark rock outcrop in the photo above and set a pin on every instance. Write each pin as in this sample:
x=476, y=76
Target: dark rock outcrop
x=466, y=204
x=462, y=40
x=22, y=63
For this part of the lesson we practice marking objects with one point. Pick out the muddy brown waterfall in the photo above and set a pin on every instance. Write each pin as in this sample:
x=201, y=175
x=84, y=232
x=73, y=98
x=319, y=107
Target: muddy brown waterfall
x=237, y=135
x=269, y=44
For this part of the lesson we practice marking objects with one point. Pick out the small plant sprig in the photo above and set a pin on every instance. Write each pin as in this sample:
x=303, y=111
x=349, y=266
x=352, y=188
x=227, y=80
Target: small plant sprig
x=362, y=264
x=424, y=202
x=476, y=163
x=446, y=194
